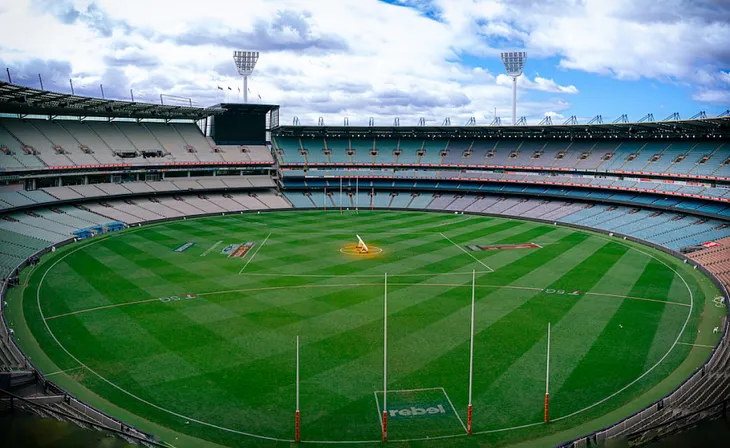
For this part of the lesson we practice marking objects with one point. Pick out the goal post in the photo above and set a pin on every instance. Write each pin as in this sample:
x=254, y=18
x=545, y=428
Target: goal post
x=471, y=353
x=297, y=420
x=385, y=358
x=361, y=246
x=546, y=416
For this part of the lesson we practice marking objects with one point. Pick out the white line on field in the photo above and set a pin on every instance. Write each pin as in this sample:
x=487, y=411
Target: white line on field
x=114, y=385
x=343, y=285
x=211, y=249
x=377, y=403
x=454, y=409
x=696, y=345
x=63, y=371
x=405, y=391
x=254, y=254
x=431, y=274
x=466, y=252
x=643, y=299
x=274, y=288
x=452, y=222
x=661, y=360
x=230, y=430
x=423, y=389
x=100, y=308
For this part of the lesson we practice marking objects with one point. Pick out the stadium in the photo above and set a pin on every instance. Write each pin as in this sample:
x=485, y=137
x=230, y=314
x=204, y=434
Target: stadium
x=179, y=275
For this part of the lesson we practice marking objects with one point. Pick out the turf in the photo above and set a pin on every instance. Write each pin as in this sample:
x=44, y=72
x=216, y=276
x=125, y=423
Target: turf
x=223, y=358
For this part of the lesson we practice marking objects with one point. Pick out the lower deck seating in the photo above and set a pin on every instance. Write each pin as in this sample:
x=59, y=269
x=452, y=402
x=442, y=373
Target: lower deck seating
x=716, y=259
x=15, y=196
x=674, y=230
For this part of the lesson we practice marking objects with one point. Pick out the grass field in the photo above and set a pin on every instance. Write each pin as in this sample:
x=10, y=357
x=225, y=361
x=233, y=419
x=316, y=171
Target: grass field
x=204, y=344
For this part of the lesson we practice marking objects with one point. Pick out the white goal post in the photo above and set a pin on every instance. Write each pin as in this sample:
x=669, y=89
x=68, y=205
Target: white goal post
x=361, y=246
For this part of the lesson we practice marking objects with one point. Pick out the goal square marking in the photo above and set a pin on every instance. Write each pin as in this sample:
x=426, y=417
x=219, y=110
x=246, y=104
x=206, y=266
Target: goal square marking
x=424, y=412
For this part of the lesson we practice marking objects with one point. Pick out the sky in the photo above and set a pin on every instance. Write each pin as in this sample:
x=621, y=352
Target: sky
x=358, y=59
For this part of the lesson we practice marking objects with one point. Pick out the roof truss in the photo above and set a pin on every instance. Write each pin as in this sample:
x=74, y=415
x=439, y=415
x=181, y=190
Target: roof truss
x=22, y=100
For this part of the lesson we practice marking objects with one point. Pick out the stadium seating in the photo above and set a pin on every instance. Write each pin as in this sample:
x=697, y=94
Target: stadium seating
x=652, y=157
x=13, y=197
x=65, y=143
x=63, y=175
x=37, y=144
x=719, y=193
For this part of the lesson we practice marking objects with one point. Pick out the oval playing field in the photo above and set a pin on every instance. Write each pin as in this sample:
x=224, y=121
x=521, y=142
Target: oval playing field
x=192, y=325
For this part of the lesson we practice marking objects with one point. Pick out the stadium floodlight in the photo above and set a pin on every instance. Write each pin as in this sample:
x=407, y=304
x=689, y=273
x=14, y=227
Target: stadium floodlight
x=245, y=63
x=514, y=62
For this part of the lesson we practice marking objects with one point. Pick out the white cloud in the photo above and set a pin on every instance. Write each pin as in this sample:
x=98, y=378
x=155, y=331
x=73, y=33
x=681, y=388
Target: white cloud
x=713, y=96
x=539, y=83
x=626, y=39
x=361, y=58
x=376, y=60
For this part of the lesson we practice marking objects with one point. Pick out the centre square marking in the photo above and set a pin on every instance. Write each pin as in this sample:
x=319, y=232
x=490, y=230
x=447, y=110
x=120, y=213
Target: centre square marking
x=426, y=412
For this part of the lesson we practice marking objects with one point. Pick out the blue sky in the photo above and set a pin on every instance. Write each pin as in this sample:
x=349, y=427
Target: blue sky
x=382, y=59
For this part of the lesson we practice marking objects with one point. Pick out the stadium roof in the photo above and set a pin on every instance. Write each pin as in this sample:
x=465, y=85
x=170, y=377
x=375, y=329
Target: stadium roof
x=718, y=127
x=15, y=99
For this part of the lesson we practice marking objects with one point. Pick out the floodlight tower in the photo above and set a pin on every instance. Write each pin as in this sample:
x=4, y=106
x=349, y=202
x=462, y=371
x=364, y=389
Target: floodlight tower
x=514, y=61
x=245, y=63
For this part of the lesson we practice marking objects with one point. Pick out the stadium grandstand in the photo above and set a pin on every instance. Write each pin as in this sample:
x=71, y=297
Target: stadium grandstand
x=75, y=168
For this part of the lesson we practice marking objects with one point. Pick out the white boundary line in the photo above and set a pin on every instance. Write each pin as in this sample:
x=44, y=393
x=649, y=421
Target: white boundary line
x=594, y=234
x=676, y=341
x=95, y=373
x=696, y=345
x=63, y=371
x=254, y=254
x=114, y=305
x=466, y=252
x=492, y=431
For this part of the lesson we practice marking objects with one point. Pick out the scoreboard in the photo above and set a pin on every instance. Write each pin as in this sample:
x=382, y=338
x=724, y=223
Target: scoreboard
x=243, y=124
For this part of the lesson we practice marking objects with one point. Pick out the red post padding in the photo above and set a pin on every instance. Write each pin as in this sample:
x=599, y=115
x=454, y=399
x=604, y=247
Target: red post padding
x=385, y=426
x=547, y=405
x=468, y=420
x=297, y=432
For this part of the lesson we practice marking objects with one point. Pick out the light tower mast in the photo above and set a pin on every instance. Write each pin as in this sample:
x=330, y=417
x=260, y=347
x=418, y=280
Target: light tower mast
x=245, y=63
x=514, y=61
